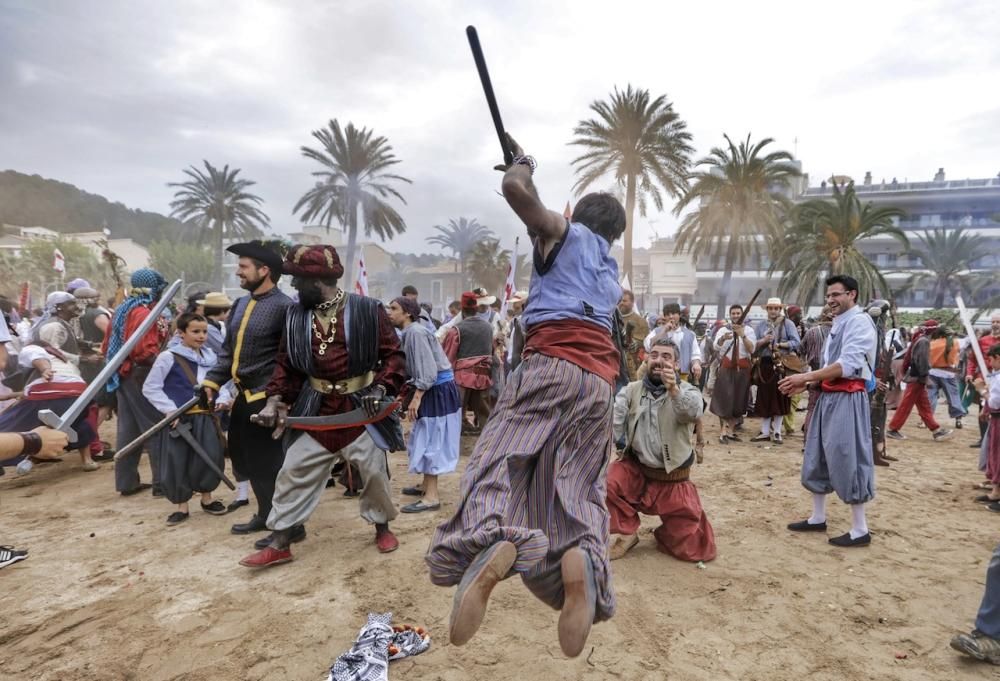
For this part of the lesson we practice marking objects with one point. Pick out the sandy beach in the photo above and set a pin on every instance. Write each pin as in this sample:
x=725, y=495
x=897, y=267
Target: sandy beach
x=111, y=593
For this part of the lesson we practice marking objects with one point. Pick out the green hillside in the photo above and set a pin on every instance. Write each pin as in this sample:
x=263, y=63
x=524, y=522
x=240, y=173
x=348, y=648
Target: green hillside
x=29, y=200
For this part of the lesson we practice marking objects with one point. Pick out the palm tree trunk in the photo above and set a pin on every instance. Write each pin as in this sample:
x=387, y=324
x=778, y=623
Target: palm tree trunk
x=352, y=241
x=629, y=221
x=727, y=277
x=219, y=277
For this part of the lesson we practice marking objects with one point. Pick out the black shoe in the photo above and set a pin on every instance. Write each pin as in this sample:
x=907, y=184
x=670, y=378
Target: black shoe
x=976, y=445
x=413, y=492
x=993, y=506
x=331, y=482
x=806, y=526
x=157, y=491
x=256, y=524
x=846, y=541
x=176, y=518
x=142, y=487
x=297, y=535
x=352, y=492
x=106, y=455
x=214, y=508
x=894, y=435
x=236, y=504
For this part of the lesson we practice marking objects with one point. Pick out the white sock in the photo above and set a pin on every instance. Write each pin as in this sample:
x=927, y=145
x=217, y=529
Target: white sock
x=776, y=423
x=859, y=526
x=243, y=490
x=765, y=426
x=819, y=510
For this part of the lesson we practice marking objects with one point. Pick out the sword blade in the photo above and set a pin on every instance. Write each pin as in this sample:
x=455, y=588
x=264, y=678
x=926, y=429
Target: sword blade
x=974, y=341
x=351, y=419
x=183, y=431
x=160, y=425
x=64, y=422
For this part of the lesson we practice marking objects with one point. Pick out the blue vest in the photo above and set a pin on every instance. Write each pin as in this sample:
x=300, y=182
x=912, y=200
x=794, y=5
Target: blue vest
x=176, y=384
x=579, y=281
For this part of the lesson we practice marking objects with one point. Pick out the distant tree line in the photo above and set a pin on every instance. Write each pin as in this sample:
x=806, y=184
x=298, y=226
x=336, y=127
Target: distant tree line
x=29, y=200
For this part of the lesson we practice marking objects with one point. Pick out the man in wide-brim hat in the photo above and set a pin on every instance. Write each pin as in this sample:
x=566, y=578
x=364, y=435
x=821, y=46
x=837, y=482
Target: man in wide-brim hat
x=247, y=357
x=775, y=335
x=339, y=355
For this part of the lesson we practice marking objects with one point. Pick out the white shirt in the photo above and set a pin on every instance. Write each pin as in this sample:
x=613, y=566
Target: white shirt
x=62, y=372
x=677, y=337
x=724, y=347
x=857, y=350
x=993, y=399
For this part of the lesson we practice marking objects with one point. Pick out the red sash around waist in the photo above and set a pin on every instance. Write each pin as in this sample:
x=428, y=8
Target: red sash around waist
x=843, y=385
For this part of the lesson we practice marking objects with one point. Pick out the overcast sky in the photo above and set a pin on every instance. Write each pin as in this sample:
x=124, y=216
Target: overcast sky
x=117, y=97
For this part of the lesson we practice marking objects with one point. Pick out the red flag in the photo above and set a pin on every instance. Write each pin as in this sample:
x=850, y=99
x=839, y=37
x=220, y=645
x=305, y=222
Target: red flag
x=361, y=285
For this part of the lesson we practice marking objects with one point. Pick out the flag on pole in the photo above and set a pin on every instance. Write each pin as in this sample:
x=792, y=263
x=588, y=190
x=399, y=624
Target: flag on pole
x=361, y=285
x=625, y=284
x=508, y=287
x=58, y=261
x=568, y=212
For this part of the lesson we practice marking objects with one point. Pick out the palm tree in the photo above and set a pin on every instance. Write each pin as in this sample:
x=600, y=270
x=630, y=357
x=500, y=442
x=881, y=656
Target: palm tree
x=741, y=196
x=353, y=179
x=488, y=264
x=643, y=143
x=823, y=238
x=460, y=237
x=218, y=200
x=946, y=256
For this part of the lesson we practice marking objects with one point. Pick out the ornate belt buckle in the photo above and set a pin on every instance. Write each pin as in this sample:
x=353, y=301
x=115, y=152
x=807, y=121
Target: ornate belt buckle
x=341, y=387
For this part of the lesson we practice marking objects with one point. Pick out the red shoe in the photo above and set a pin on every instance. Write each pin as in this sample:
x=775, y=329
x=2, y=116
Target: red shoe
x=266, y=558
x=385, y=540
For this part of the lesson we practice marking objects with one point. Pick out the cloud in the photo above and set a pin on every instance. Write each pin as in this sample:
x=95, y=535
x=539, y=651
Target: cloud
x=118, y=97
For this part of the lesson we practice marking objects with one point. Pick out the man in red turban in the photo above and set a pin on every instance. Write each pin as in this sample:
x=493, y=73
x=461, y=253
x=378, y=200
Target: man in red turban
x=339, y=354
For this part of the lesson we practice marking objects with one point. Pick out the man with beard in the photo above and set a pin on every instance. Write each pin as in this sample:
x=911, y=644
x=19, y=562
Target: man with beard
x=838, y=456
x=339, y=354
x=775, y=335
x=636, y=331
x=653, y=421
x=248, y=357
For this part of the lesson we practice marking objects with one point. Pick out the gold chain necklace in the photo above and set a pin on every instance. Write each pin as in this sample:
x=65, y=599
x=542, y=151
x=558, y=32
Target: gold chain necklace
x=324, y=342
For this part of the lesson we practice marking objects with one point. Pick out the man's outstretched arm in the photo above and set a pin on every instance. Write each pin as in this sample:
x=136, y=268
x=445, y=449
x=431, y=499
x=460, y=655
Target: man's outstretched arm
x=522, y=197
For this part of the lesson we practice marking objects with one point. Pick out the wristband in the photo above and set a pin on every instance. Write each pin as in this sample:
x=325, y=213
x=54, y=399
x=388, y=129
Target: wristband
x=32, y=443
x=526, y=161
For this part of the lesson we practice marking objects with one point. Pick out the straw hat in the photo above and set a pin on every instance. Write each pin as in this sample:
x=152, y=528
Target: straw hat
x=215, y=299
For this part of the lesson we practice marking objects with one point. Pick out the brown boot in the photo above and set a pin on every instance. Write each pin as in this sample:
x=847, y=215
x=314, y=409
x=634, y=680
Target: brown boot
x=473, y=595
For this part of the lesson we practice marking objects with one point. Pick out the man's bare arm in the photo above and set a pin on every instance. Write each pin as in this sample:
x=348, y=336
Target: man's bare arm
x=522, y=197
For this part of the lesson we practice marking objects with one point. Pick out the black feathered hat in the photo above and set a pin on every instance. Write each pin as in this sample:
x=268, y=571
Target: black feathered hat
x=266, y=252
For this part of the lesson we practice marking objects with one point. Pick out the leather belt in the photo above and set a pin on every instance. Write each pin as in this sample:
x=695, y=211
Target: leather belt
x=676, y=475
x=344, y=386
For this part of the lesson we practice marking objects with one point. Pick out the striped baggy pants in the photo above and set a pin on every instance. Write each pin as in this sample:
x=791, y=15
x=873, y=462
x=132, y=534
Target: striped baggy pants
x=537, y=479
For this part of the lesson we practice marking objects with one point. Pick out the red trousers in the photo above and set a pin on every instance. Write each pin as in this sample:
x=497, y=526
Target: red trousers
x=685, y=532
x=915, y=395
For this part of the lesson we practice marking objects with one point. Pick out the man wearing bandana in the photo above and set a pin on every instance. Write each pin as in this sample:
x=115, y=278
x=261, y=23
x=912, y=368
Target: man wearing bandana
x=339, y=354
x=135, y=413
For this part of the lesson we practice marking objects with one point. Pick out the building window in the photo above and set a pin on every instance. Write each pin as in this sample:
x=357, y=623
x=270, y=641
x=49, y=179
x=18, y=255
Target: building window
x=919, y=296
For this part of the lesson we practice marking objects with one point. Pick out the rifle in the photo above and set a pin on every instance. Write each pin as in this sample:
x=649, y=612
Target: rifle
x=743, y=317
